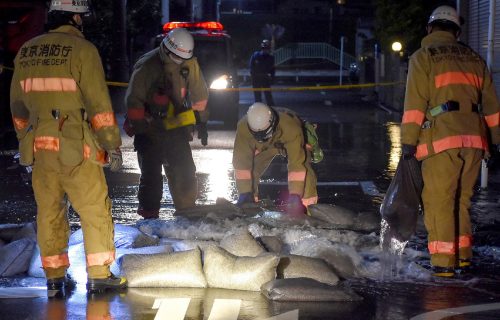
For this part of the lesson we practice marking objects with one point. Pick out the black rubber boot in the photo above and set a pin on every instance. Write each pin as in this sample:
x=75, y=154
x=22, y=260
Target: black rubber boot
x=443, y=272
x=63, y=286
x=110, y=283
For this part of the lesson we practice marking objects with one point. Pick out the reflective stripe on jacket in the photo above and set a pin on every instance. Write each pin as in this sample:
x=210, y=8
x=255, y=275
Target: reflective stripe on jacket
x=444, y=70
x=288, y=139
x=58, y=84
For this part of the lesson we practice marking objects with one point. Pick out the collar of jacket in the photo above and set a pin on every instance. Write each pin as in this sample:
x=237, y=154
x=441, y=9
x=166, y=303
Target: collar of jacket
x=438, y=37
x=68, y=29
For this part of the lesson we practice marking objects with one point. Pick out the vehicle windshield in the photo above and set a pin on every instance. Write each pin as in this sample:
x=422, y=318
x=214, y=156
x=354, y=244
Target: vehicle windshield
x=211, y=53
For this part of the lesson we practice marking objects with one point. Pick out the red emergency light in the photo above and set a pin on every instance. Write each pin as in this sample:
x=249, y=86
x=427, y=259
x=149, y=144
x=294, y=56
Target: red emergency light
x=206, y=25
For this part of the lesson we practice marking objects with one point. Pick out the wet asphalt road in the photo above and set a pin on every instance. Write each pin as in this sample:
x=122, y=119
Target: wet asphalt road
x=361, y=144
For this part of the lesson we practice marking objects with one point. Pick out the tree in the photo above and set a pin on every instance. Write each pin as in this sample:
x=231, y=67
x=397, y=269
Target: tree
x=400, y=20
x=404, y=21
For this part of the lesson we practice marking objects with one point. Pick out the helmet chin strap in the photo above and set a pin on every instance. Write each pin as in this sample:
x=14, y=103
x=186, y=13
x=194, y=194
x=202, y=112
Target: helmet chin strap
x=75, y=24
x=175, y=59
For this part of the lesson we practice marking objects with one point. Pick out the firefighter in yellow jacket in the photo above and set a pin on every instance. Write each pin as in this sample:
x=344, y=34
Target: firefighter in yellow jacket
x=166, y=96
x=451, y=115
x=261, y=135
x=65, y=125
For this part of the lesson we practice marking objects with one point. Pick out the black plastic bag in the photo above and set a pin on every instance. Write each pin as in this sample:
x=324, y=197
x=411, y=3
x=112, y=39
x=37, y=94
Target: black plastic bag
x=403, y=199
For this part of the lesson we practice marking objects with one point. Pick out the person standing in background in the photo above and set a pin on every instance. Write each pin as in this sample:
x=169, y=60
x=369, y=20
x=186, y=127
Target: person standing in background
x=262, y=72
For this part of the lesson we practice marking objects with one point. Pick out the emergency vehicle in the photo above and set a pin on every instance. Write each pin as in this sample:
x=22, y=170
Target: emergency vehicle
x=214, y=53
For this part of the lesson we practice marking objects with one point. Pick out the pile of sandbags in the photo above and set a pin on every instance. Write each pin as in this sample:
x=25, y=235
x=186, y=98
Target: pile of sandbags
x=17, y=243
x=238, y=262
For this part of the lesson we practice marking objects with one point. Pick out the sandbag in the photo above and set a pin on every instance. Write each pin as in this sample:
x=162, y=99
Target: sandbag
x=402, y=201
x=9, y=231
x=227, y=271
x=294, y=266
x=339, y=217
x=27, y=231
x=178, y=269
x=125, y=237
x=242, y=245
x=343, y=259
x=15, y=257
x=77, y=260
x=184, y=245
x=305, y=289
x=115, y=268
x=271, y=243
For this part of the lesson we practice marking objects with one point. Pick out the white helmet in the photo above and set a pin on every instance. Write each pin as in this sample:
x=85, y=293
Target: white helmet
x=76, y=6
x=180, y=42
x=262, y=121
x=445, y=13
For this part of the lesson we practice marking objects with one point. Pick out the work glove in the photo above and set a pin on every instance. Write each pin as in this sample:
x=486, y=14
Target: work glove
x=408, y=151
x=115, y=160
x=245, y=198
x=202, y=133
x=294, y=207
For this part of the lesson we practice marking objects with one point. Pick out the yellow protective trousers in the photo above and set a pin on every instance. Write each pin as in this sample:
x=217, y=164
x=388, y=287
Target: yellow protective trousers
x=449, y=179
x=262, y=161
x=85, y=187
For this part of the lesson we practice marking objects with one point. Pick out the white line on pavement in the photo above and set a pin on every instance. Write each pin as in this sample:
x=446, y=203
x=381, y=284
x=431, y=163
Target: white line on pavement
x=171, y=309
x=225, y=309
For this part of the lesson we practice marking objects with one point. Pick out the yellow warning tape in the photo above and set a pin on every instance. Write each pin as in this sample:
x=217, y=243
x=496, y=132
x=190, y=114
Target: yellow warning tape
x=308, y=88
x=326, y=87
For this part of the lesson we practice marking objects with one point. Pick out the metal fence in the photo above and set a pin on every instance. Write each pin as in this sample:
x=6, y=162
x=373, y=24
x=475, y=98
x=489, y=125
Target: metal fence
x=312, y=50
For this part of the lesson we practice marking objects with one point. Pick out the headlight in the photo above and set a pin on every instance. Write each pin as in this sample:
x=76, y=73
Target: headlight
x=219, y=83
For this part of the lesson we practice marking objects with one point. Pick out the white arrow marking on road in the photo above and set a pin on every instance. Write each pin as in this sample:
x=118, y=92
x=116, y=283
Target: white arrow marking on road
x=290, y=315
x=445, y=313
x=171, y=309
x=225, y=309
x=24, y=292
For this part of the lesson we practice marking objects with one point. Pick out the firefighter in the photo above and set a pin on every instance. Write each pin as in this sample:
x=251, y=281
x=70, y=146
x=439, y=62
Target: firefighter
x=262, y=72
x=261, y=135
x=451, y=114
x=166, y=96
x=66, y=128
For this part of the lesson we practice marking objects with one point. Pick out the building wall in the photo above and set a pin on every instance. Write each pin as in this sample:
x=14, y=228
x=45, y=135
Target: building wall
x=476, y=29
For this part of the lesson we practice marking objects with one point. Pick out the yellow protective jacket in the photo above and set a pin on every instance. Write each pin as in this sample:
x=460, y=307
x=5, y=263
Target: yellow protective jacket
x=288, y=139
x=444, y=70
x=60, y=103
x=157, y=85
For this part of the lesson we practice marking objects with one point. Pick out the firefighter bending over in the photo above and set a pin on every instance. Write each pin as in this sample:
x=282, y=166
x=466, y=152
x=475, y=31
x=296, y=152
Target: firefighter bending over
x=166, y=97
x=261, y=135
x=451, y=112
x=66, y=129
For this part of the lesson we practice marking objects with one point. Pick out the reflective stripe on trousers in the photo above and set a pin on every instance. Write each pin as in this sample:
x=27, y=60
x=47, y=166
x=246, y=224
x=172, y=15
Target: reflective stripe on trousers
x=449, y=178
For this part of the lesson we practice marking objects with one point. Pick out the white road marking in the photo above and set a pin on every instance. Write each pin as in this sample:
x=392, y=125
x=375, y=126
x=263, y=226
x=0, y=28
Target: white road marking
x=171, y=309
x=225, y=309
x=369, y=188
x=24, y=292
x=445, y=313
